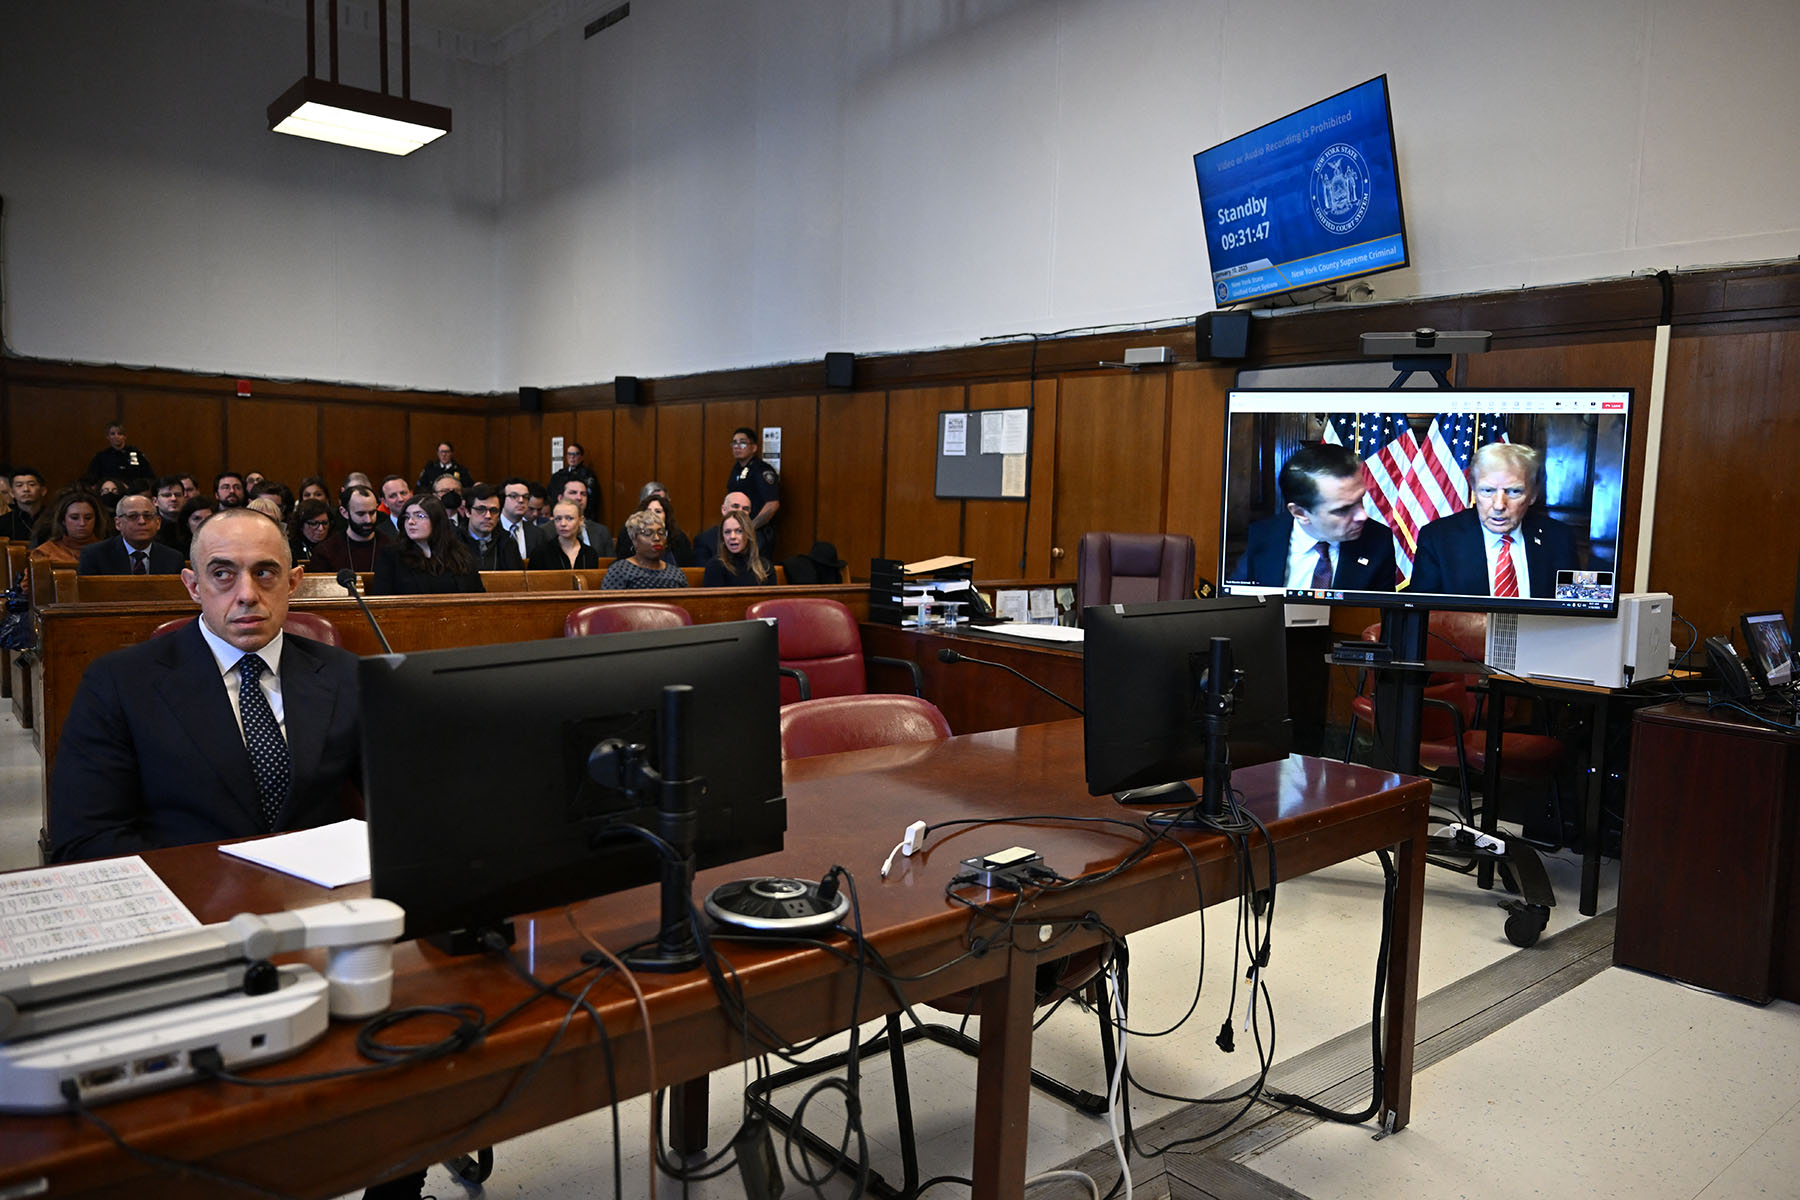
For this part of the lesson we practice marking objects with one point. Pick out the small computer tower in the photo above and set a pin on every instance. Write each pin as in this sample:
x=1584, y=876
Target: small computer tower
x=1615, y=652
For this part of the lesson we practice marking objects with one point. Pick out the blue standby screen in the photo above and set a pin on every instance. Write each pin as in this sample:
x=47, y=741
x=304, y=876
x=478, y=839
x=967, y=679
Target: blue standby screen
x=1305, y=200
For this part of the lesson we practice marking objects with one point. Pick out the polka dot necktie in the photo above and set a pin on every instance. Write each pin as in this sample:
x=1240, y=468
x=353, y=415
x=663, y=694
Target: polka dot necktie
x=268, y=751
x=1506, y=577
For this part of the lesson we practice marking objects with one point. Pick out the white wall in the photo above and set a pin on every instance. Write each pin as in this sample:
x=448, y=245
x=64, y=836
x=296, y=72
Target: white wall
x=152, y=219
x=718, y=183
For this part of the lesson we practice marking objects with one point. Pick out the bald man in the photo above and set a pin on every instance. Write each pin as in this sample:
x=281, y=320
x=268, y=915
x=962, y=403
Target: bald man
x=182, y=739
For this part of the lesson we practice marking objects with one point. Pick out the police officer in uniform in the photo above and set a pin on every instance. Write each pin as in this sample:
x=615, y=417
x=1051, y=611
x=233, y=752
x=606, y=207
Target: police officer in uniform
x=757, y=480
x=119, y=461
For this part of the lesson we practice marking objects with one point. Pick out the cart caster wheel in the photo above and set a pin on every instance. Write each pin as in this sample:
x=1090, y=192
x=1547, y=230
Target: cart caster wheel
x=473, y=1168
x=1524, y=922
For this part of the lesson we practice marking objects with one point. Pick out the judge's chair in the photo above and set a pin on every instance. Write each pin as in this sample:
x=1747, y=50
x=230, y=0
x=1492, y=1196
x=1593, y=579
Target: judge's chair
x=623, y=616
x=1133, y=568
x=842, y=723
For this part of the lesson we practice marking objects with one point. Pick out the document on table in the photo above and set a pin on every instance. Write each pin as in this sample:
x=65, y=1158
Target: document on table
x=61, y=911
x=330, y=855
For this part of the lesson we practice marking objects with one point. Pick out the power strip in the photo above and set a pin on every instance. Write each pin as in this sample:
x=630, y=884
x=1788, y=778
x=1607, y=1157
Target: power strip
x=147, y=1051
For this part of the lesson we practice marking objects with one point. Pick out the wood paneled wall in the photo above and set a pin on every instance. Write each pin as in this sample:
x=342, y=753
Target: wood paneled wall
x=1111, y=449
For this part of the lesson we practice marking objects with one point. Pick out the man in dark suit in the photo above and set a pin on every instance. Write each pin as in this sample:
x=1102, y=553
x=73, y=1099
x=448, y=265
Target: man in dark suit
x=1323, y=539
x=493, y=550
x=1498, y=547
x=136, y=551
x=515, y=518
x=176, y=740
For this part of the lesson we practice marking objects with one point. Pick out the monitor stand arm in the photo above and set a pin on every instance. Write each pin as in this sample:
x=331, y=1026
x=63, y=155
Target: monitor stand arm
x=676, y=947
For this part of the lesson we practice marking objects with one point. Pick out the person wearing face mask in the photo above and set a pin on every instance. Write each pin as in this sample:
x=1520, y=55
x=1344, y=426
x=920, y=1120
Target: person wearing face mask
x=740, y=562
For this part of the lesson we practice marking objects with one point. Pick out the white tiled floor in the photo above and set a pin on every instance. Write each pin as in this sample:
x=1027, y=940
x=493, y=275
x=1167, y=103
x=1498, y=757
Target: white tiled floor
x=1627, y=1086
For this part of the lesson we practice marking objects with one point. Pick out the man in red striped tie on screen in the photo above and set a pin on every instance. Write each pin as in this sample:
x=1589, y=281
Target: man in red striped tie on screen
x=1501, y=546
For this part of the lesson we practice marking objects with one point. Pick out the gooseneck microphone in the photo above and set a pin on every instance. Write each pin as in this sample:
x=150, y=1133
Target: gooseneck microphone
x=347, y=581
x=947, y=655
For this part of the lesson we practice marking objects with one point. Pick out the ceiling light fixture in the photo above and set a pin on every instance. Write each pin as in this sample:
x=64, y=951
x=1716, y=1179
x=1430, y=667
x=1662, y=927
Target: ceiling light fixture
x=329, y=111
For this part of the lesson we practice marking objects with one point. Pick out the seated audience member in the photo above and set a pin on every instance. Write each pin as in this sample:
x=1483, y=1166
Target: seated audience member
x=566, y=551
x=537, y=506
x=593, y=532
x=189, y=488
x=228, y=489
x=354, y=545
x=432, y=558
x=356, y=479
x=492, y=549
x=194, y=512
x=448, y=491
x=5, y=489
x=269, y=506
x=313, y=488
x=395, y=492
x=157, y=748
x=20, y=523
x=135, y=551
x=310, y=526
x=706, y=542
x=282, y=494
x=680, y=549
x=516, y=524
x=168, y=498
x=109, y=491
x=740, y=562
x=118, y=460
x=1477, y=552
x=648, y=567
x=444, y=463
x=1323, y=537
x=76, y=521
x=252, y=481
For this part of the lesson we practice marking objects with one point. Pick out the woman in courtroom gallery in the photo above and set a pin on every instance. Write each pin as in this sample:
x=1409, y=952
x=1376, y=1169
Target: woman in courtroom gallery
x=430, y=558
x=648, y=566
x=740, y=562
x=678, y=548
x=567, y=552
x=310, y=526
x=76, y=522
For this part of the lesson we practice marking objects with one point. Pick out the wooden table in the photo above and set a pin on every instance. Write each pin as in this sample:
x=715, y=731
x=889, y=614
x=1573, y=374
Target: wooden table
x=328, y=1138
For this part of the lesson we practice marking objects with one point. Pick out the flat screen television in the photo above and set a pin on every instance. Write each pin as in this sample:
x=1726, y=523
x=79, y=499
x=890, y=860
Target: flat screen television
x=1143, y=686
x=475, y=767
x=1415, y=492
x=1305, y=200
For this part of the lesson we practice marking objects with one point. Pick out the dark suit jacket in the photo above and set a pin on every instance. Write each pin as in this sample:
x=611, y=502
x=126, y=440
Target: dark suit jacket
x=502, y=554
x=1452, y=557
x=706, y=546
x=550, y=557
x=535, y=536
x=393, y=577
x=1364, y=565
x=152, y=756
x=112, y=558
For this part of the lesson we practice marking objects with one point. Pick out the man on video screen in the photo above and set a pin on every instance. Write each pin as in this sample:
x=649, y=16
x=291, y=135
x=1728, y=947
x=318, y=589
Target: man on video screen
x=1499, y=546
x=1323, y=538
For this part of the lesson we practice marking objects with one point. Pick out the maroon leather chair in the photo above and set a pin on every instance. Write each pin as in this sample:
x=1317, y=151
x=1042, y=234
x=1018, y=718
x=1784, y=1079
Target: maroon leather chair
x=624, y=615
x=820, y=648
x=309, y=625
x=835, y=723
x=1133, y=568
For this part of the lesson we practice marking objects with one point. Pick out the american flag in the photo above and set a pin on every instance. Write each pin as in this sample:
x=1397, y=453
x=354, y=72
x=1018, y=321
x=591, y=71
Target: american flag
x=1387, y=447
x=1413, y=482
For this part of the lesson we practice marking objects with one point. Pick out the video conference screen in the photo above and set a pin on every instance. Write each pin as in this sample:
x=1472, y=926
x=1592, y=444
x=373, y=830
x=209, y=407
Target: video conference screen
x=1307, y=199
x=1497, y=501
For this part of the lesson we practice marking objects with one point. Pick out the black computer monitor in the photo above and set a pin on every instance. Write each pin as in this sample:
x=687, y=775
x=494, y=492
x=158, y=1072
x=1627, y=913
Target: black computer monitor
x=1144, y=685
x=475, y=767
x=1771, y=647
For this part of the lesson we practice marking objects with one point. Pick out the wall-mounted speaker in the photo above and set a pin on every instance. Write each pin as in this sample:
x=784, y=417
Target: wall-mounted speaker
x=531, y=399
x=1221, y=335
x=629, y=389
x=840, y=370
